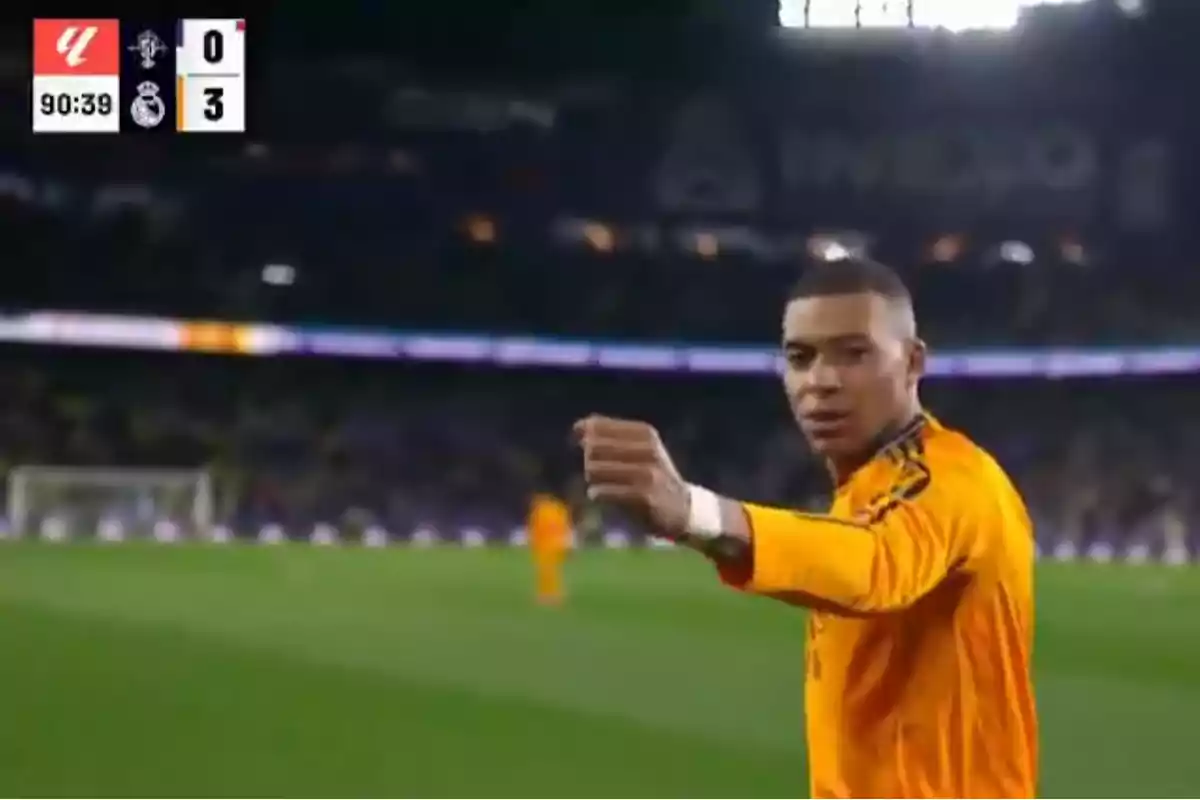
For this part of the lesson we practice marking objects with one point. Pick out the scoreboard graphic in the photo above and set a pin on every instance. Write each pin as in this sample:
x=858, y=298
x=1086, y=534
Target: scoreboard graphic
x=139, y=77
x=76, y=76
x=210, y=70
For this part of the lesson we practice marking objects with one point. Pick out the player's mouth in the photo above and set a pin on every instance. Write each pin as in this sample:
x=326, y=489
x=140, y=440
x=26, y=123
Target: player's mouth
x=825, y=423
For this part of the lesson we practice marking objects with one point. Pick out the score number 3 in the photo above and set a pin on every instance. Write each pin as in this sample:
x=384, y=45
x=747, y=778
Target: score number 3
x=214, y=105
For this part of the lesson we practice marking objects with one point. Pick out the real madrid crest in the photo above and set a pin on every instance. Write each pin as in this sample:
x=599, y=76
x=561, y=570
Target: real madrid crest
x=147, y=108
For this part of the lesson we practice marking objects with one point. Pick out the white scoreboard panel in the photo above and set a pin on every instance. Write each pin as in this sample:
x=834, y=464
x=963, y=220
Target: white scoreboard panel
x=76, y=104
x=210, y=76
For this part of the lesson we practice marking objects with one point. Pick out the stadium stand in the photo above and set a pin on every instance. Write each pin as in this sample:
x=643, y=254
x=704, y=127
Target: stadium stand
x=599, y=209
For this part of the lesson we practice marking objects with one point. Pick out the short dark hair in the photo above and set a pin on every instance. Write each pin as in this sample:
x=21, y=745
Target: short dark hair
x=822, y=278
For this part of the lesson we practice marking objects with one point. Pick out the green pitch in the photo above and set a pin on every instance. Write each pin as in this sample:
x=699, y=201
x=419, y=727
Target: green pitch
x=151, y=670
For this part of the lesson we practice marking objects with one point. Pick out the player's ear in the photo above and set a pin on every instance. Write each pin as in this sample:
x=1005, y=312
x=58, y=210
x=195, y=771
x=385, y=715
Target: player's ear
x=918, y=353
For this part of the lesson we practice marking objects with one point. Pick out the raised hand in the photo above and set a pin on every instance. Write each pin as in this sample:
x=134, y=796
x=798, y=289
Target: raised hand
x=625, y=462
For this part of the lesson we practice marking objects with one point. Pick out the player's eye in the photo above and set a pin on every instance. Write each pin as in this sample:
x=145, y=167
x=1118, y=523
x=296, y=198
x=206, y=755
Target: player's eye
x=854, y=353
x=799, y=359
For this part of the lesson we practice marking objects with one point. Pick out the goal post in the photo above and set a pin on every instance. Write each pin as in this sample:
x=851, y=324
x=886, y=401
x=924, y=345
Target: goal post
x=109, y=502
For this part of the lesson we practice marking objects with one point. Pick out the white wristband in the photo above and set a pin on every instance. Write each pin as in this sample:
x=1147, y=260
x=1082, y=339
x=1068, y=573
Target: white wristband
x=704, y=513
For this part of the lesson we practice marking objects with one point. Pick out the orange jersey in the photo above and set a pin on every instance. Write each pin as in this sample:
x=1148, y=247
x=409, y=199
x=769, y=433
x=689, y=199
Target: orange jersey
x=549, y=523
x=918, y=656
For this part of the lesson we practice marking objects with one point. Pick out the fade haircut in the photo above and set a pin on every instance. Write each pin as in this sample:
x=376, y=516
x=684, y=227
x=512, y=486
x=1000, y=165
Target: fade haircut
x=860, y=276
x=851, y=276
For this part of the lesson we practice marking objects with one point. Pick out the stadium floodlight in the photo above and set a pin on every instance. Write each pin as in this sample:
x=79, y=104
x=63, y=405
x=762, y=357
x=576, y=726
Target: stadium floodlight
x=948, y=15
x=1015, y=252
x=111, y=502
x=279, y=274
x=838, y=246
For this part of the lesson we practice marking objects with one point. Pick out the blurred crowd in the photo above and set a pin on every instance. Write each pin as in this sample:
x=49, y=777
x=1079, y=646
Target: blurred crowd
x=297, y=441
x=1033, y=191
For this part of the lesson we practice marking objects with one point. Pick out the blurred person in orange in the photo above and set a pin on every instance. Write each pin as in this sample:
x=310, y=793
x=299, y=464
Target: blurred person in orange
x=549, y=528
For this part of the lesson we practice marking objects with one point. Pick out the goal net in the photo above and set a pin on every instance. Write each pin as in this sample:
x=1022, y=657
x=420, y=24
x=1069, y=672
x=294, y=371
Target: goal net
x=110, y=503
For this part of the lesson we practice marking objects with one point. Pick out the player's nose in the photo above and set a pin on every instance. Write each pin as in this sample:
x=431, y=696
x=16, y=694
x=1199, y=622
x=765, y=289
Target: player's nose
x=824, y=378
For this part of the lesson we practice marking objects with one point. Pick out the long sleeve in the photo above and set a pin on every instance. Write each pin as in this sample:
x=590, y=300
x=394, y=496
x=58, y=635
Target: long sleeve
x=883, y=564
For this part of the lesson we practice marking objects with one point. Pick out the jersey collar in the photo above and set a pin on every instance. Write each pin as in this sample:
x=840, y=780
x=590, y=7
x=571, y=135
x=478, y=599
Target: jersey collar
x=892, y=441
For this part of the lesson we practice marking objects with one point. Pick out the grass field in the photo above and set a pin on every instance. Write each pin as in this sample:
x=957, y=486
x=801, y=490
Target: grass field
x=151, y=670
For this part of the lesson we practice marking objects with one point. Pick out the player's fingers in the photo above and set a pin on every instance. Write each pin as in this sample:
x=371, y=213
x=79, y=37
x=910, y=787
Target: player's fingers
x=587, y=426
x=597, y=425
x=615, y=473
x=620, y=450
x=616, y=494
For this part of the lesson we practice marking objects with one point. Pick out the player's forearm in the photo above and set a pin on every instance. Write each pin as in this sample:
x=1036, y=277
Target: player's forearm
x=817, y=560
x=810, y=554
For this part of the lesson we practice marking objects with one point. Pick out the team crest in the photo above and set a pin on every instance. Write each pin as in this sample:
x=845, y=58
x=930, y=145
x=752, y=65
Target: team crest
x=147, y=109
x=148, y=46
